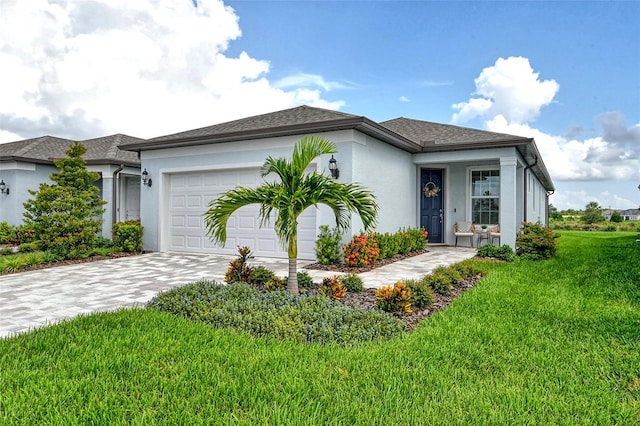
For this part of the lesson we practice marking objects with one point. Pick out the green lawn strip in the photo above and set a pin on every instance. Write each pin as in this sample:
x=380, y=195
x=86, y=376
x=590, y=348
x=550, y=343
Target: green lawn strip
x=554, y=342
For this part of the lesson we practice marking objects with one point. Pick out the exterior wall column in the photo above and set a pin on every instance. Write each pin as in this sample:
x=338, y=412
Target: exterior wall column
x=107, y=195
x=508, y=201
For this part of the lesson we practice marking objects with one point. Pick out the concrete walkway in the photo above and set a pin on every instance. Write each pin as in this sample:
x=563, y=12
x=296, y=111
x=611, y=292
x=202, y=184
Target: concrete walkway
x=36, y=298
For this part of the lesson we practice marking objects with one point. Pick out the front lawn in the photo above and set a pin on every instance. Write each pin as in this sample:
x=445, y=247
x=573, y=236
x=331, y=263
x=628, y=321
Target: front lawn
x=551, y=342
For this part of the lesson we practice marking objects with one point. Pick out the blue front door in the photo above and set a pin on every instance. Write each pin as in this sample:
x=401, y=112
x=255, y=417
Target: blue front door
x=431, y=204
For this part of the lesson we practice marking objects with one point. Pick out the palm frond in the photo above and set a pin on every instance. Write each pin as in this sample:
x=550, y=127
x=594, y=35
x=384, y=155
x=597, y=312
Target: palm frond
x=307, y=149
x=220, y=209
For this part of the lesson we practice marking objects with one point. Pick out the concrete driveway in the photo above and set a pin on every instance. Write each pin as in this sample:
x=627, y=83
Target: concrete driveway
x=37, y=298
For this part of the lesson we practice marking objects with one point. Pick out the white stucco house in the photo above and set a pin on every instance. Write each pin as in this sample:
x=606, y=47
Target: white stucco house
x=422, y=173
x=25, y=164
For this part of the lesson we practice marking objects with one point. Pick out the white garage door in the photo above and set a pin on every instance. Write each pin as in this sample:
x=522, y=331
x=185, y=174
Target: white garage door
x=189, y=197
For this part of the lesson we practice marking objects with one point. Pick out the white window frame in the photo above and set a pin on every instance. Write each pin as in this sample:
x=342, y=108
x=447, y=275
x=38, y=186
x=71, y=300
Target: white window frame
x=472, y=197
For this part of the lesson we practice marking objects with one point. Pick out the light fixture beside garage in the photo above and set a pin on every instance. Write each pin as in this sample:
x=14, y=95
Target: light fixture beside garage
x=333, y=167
x=146, y=180
x=3, y=188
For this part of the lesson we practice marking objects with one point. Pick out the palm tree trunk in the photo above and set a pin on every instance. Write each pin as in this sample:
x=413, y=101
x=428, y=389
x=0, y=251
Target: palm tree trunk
x=292, y=282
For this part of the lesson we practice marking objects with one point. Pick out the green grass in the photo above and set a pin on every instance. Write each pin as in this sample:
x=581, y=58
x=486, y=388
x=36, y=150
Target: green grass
x=552, y=342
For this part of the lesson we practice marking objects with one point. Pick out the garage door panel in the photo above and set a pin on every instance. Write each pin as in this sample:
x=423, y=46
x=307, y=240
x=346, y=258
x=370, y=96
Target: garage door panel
x=190, y=195
x=194, y=222
x=178, y=201
x=177, y=221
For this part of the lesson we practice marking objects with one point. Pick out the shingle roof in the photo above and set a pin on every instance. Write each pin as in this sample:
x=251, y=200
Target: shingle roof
x=302, y=115
x=430, y=134
x=45, y=149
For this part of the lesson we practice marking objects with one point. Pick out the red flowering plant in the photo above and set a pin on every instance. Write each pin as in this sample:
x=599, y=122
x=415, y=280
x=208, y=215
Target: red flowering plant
x=362, y=250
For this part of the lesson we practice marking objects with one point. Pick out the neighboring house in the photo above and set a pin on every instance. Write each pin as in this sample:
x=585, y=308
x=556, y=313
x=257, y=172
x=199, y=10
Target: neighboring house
x=423, y=174
x=630, y=214
x=25, y=164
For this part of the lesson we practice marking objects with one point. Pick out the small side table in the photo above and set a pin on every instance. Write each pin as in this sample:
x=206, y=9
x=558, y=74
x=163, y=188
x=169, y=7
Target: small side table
x=483, y=235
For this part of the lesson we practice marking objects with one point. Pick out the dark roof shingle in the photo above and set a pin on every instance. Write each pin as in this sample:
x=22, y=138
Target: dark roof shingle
x=45, y=149
x=288, y=117
x=430, y=134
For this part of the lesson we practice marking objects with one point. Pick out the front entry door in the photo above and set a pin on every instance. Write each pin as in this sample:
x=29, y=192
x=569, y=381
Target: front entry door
x=431, y=204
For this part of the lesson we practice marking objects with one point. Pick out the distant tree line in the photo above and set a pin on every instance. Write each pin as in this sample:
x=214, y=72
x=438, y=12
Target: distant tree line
x=591, y=214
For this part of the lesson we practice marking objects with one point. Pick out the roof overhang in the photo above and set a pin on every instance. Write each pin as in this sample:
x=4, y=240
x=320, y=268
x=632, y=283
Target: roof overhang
x=50, y=162
x=526, y=147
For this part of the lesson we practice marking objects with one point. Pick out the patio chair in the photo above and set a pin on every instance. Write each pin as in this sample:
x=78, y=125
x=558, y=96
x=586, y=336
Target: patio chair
x=494, y=232
x=464, y=229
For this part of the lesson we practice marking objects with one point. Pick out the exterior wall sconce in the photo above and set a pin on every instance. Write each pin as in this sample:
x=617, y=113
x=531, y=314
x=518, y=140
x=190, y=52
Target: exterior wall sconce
x=146, y=180
x=3, y=188
x=333, y=167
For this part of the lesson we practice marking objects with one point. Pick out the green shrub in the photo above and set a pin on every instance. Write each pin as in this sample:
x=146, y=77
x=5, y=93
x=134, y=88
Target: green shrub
x=7, y=233
x=328, y=246
x=440, y=283
x=402, y=242
x=7, y=251
x=332, y=288
x=24, y=234
x=49, y=257
x=128, y=235
x=28, y=247
x=452, y=273
x=389, y=244
x=304, y=279
x=32, y=259
x=276, y=284
x=260, y=275
x=421, y=294
x=14, y=264
x=102, y=242
x=535, y=242
x=394, y=299
x=277, y=314
x=352, y=282
x=504, y=252
x=239, y=270
x=467, y=268
x=103, y=251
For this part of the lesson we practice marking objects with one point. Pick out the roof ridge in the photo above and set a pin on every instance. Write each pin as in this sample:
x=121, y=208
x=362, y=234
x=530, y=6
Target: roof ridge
x=261, y=118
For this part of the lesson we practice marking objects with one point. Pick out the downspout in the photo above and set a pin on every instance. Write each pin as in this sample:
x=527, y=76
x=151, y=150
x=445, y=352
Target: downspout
x=114, y=182
x=525, y=186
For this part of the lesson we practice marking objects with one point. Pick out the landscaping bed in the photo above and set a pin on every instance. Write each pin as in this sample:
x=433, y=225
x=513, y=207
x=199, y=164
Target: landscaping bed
x=367, y=300
x=70, y=262
x=342, y=267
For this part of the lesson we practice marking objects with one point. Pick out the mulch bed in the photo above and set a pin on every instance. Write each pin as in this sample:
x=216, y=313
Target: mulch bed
x=367, y=300
x=72, y=262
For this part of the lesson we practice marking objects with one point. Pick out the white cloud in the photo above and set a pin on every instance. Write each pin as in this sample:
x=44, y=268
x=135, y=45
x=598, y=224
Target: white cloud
x=404, y=99
x=431, y=83
x=82, y=69
x=512, y=96
x=510, y=87
x=309, y=80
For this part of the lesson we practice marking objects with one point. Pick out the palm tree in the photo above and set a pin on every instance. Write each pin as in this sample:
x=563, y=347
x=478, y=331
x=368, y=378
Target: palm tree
x=292, y=195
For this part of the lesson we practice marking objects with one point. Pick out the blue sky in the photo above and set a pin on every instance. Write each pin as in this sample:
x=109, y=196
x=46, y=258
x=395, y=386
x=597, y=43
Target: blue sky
x=565, y=73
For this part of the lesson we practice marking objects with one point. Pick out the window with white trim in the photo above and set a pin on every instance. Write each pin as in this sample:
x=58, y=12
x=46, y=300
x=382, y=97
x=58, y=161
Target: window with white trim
x=485, y=196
